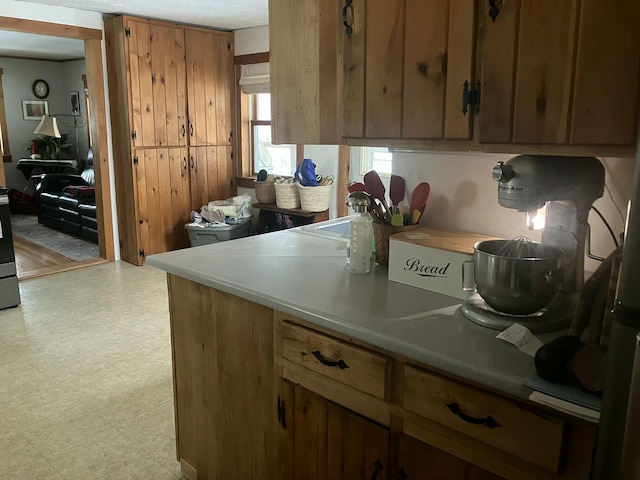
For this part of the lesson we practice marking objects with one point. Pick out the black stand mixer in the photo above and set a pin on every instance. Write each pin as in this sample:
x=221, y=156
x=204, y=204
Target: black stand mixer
x=567, y=186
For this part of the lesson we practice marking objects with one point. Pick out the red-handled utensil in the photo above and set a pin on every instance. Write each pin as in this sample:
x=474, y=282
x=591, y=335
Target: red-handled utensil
x=356, y=187
x=418, y=203
x=376, y=189
x=396, y=192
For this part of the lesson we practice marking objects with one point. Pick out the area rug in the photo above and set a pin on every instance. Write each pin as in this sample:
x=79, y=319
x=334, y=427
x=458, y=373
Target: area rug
x=76, y=248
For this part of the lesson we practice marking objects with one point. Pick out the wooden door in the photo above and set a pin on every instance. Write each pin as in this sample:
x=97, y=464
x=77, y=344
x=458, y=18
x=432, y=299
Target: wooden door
x=157, y=84
x=211, y=175
x=210, y=87
x=605, y=99
x=162, y=183
x=323, y=441
x=527, y=72
x=438, y=59
x=416, y=461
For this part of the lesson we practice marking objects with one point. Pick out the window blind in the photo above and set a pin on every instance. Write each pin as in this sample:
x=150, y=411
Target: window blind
x=255, y=78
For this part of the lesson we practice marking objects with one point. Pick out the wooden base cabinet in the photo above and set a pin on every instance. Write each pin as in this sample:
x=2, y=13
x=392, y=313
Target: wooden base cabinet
x=260, y=394
x=171, y=90
x=324, y=441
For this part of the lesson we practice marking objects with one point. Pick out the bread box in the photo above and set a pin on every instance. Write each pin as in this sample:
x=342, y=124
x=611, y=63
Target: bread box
x=435, y=260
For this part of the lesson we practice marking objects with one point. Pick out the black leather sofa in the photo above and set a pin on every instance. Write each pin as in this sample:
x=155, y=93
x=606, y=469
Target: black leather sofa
x=67, y=202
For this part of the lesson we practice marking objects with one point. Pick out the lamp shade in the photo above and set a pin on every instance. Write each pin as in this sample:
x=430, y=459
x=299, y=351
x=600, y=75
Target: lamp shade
x=48, y=126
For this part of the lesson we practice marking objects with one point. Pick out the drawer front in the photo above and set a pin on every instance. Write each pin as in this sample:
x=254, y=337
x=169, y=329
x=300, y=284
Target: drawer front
x=535, y=437
x=354, y=366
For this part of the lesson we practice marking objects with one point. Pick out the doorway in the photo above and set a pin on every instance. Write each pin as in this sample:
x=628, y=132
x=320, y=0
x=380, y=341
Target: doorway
x=96, y=121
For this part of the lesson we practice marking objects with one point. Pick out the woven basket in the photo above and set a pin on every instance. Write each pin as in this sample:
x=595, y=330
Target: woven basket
x=265, y=192
x=287, y=195
x=381, y=234
x=314, y=199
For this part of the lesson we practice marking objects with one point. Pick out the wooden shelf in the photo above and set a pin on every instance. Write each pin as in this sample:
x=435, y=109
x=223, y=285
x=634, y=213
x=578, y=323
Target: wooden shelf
x=272, y=207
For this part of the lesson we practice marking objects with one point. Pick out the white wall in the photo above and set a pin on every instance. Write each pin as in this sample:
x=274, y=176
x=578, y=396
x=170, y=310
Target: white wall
x=251, y=40
x=17, y=79
x=464, y=197
x=72, y=72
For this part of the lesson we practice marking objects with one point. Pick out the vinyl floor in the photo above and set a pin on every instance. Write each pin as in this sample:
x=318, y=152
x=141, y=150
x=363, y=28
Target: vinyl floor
x=85, y=377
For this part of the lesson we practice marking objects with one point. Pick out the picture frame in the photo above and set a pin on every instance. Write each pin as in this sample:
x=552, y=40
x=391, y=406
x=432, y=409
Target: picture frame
x=34, y=109
x=74, y=99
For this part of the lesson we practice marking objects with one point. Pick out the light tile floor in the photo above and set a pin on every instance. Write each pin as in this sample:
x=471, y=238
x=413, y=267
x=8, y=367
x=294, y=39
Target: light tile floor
x=85, y=377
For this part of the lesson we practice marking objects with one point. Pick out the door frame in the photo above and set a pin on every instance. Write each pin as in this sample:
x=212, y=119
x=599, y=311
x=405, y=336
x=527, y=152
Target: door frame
x=95, y=81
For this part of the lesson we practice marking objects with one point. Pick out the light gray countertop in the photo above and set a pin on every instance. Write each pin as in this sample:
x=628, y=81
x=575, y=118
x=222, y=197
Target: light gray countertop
x=306, y=276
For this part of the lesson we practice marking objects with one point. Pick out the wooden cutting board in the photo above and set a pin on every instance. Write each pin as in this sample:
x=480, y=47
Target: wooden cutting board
x=459, y=242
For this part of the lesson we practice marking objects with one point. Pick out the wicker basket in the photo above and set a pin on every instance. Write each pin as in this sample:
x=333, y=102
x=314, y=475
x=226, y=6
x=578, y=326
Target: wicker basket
x=287, y=195
x=381, y=233
x=314, y=199
x=265, y=192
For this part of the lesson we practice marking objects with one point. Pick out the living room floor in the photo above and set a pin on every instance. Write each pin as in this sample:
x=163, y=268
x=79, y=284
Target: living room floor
x=85, y=377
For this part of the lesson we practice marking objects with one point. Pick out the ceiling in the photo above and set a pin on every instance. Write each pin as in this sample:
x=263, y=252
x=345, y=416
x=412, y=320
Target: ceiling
x=221, y=14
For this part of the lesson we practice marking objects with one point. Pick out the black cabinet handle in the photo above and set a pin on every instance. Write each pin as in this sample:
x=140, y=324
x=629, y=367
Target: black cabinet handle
x=184, y=131
x=378, y=470
x=191, y=129
x=330, y=363
x=489, y=421
x=345, y=20
x=494, y=9
x=184, y=162
x=193, y=163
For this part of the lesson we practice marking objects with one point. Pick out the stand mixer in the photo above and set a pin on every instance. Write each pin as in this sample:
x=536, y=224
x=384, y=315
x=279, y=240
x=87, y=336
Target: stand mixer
x=568, y=186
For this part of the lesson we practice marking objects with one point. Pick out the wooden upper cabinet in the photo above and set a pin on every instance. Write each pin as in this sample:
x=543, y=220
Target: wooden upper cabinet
x=559, y=73
x=303, y=65
x=605, y=105
x=404, y=67
x=210, y=85
x=210, y=175
x=157, y=87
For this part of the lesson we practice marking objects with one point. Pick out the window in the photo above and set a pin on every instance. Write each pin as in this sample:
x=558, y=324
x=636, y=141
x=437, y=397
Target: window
x=276, y=159
x=375, y=158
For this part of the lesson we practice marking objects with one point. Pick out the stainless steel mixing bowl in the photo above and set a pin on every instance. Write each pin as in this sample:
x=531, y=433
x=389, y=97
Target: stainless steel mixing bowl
x=516, y=285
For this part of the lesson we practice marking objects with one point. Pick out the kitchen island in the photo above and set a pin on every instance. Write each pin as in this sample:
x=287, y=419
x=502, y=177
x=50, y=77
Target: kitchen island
x=280, y=354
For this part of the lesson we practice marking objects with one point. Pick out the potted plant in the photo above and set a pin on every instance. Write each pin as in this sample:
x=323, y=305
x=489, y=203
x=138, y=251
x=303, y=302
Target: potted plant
x=51, y=147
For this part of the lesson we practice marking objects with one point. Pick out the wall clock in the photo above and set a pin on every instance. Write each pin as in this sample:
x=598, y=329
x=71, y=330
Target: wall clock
x=40, y=88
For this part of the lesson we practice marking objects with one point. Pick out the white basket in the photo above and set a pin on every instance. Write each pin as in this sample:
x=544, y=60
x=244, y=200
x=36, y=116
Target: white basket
x=314, y=199
x=287, y=195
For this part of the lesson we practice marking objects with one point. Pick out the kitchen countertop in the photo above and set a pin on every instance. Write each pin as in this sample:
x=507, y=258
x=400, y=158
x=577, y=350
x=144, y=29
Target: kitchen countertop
x=306, y=275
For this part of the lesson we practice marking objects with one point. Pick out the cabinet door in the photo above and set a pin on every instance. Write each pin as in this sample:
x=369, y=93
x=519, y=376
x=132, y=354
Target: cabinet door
x=605, y=100
x=323, y=441
x=162, y=199
x=210, y=86
x=211, y=175
x=158, y=88
x=416, y=461
x=526, y=92
x=303, y=70
x=404, y=68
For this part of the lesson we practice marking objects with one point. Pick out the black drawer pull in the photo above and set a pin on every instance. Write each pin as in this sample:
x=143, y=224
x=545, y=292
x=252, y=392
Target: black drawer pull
x=378, y=470
x=348, y=30
x=329, y=363
x=489, y=421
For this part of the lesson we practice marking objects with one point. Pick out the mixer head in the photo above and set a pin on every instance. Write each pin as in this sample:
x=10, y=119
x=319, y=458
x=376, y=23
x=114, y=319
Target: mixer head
x=527, y=182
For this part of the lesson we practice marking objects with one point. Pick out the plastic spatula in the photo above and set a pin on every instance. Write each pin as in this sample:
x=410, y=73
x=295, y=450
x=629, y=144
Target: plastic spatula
x=419, y=199
x=396, y=192
x=376, y=189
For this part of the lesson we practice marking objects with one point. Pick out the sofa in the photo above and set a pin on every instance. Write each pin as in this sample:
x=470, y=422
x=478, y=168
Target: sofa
x=67, y=202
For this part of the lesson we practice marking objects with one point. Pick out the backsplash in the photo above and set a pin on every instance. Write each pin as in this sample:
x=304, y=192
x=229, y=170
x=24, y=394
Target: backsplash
x=464, y=197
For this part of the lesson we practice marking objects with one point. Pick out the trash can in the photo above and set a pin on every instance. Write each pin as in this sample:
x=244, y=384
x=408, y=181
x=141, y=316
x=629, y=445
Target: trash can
x=217, y=233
